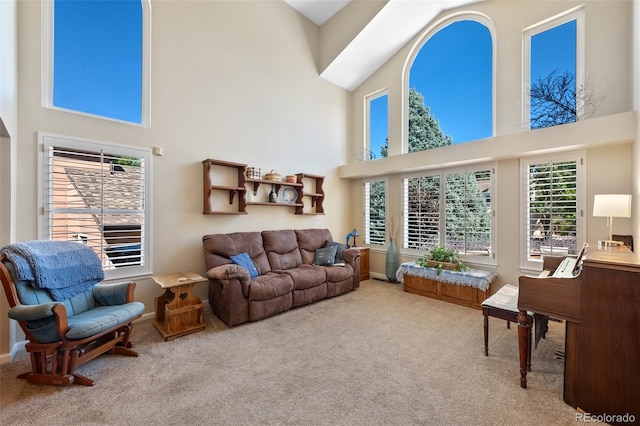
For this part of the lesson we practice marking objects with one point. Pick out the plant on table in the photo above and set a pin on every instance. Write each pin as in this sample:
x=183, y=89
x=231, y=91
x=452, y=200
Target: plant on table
x=442, y=257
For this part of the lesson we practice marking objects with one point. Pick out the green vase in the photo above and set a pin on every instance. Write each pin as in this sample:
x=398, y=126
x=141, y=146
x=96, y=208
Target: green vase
x=393, y=262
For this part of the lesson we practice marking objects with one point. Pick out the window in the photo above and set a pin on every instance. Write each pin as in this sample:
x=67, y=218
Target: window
x=378, y=119
x=553, y=205
x=375, y=212
x=554, y=75
x=451, y=208
x=98, y=194
x=450, y=85
x=98, y=58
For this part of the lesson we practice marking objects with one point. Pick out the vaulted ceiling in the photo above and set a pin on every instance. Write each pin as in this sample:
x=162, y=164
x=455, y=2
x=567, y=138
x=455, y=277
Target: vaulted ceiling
x=397, y=22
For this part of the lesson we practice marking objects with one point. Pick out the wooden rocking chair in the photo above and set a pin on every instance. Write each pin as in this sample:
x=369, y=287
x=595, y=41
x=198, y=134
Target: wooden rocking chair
x=65, y=334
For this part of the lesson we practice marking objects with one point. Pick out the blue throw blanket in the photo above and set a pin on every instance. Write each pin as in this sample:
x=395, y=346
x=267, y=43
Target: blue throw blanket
x=65, y=268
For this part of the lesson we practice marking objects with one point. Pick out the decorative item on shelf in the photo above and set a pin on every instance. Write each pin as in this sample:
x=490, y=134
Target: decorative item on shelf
x=392, y=261
x=253, y=173
x=610, y=206
x=273, y=198
x=273, y=176
x=287, y=195
x=291, y=178
x=442, y=258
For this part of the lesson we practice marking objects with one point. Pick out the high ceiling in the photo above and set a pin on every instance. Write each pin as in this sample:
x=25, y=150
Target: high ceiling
x=392, y=28
x=318, y=11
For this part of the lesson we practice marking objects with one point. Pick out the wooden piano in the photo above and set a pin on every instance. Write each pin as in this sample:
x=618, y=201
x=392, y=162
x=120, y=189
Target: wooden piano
x=601, y=308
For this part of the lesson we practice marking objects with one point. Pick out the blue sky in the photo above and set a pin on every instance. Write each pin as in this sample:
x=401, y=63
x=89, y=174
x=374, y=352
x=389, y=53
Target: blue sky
x=453, y=71
x=98, y=57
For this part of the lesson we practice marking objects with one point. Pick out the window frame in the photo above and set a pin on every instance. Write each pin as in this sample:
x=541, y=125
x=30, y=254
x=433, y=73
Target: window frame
x=365, y=211
x=47, y=52
x=577, y=14
x=490, y=259
x=415, y=50
x=579, y=157
x=367, y=122
x=47, y=140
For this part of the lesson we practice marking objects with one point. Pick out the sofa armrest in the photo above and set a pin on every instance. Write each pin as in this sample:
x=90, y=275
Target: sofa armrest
x=229, y=272
x=350, y=255
x=114, y=294
x=32, y=312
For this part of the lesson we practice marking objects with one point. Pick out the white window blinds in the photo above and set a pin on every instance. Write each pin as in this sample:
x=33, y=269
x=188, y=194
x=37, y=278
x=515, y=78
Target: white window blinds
x=97, y=195
x=552, y=207
x=422, y=212
x=375, y=210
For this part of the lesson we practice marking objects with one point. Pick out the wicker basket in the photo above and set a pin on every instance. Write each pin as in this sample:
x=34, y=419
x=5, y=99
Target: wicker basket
x=273, y=176
x=445, y=265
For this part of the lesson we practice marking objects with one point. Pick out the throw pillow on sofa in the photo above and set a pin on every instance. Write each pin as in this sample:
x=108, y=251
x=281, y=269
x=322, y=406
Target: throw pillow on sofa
x=339, y=249
x=245, y=261
x=325, y=256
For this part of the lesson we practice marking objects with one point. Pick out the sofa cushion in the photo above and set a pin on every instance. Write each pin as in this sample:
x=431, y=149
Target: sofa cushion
x=244, y=260
x=282, y=249
x=306, y=276
x=269, y=286
x=218, y=249
x=338, y=273
x=310, y=240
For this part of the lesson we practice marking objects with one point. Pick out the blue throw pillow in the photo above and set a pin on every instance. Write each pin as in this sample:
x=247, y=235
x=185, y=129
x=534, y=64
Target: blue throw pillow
x=325, y=256
x=245, y=261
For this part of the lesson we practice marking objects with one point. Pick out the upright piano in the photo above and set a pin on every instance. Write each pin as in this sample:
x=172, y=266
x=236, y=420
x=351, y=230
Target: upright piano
x=601, y=309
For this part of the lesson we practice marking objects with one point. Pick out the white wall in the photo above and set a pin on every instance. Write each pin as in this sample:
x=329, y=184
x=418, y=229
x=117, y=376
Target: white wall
x=8, y=135
x=607, y=138
x=235, y=81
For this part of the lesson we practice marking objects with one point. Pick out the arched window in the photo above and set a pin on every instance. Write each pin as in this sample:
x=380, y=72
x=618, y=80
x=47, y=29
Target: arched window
x=98, y=58
x=450, y=85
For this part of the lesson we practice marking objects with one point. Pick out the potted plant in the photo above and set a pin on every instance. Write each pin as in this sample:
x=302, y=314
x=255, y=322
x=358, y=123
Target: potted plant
x=442, y=258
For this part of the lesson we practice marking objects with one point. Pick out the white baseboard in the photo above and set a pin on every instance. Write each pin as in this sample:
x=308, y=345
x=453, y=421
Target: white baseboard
x=8, y=357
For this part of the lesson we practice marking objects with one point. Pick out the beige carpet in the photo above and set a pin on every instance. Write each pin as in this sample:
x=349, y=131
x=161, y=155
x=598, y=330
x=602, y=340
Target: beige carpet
x=376, y=356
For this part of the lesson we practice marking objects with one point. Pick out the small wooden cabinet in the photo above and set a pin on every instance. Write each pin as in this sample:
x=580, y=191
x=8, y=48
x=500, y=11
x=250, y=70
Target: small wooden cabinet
x=364, y=263
x=228, y=179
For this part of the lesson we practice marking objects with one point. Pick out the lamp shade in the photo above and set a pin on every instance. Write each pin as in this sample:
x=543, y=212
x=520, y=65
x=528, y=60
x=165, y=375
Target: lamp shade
x=612, y=205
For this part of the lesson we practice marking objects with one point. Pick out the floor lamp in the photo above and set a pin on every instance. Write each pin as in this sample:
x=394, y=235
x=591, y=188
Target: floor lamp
x=610, y=206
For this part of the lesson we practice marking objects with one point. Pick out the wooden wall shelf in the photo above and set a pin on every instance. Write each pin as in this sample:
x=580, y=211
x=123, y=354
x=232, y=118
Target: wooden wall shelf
x=239, y=188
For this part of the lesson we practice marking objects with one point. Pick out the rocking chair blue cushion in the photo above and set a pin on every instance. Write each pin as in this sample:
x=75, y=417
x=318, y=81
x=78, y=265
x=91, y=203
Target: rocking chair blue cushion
x=88, y=313
x=66, y=332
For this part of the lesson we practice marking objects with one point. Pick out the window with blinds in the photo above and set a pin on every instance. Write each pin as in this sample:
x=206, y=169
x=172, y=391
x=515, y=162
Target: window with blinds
x=375, y=212
x=97, y=195
x=468, y=212
x=553, y=206
x=451, y=209
x=421, y=212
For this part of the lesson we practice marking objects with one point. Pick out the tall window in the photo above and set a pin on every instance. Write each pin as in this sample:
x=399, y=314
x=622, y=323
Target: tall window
x=375, y=211
x=452, y=208
x=553, y=206
x=99, y=58
x=378, y=120
x=98, y=194
x=554, y=77
x=450, y=97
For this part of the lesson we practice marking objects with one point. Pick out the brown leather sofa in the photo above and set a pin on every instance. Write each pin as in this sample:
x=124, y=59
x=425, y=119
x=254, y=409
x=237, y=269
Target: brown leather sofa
x=287, y=276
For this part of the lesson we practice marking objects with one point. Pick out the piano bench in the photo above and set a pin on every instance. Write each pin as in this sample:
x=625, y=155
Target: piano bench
x=503, y=305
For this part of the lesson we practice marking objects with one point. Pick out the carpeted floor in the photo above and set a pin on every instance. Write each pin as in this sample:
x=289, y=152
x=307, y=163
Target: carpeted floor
x=375, y=356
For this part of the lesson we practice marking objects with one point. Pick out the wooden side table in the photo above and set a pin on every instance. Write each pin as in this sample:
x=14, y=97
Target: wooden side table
x=178, y=311
x=364, y=263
